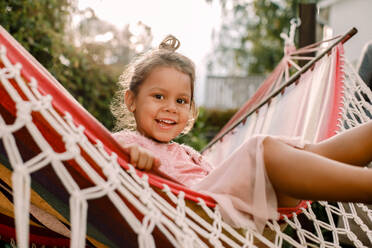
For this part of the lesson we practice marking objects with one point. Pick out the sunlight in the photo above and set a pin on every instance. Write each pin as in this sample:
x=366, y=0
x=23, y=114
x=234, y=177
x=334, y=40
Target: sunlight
x=191, y=21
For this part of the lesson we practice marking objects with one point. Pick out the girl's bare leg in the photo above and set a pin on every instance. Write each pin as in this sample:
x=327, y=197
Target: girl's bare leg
x=298, y=174
x=353, y=146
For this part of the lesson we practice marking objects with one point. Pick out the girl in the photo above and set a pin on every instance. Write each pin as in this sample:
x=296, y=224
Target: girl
x=263, y=174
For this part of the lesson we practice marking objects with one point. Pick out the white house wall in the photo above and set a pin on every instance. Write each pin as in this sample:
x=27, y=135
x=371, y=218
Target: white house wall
x=345, y=14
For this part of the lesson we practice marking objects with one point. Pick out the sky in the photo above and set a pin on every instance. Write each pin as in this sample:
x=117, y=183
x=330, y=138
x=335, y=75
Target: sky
x=191, y=21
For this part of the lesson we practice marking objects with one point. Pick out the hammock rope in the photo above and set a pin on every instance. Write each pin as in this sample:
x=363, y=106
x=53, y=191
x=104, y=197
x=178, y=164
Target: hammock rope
x=47, y=148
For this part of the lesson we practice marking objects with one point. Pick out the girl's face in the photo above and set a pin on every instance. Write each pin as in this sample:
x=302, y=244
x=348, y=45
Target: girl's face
x=162, y=105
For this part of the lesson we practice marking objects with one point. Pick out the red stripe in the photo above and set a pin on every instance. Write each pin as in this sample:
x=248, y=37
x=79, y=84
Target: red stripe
x=289, y=212
x=338, y=92
x=8, y=233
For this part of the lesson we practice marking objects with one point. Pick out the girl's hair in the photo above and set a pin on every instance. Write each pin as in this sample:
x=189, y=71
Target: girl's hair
x=137, y=72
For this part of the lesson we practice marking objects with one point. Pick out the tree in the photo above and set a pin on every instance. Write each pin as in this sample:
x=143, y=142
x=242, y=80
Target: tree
x=38, y=25
x=89, y=67
x=249, y=40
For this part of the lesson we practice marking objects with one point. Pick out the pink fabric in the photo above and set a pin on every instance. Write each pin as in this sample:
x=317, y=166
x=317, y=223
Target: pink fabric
x=179, y=163
x=239, y=184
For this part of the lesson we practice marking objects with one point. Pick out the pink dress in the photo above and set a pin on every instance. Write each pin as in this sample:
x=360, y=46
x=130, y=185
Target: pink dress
x=239, y=184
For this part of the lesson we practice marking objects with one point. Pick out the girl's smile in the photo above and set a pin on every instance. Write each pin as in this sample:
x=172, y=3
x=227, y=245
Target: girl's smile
x=162, y=105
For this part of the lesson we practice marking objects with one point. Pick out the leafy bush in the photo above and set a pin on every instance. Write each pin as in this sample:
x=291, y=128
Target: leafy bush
x=208, y=124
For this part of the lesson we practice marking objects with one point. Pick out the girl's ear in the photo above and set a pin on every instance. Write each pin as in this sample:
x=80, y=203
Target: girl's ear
x=129, y=100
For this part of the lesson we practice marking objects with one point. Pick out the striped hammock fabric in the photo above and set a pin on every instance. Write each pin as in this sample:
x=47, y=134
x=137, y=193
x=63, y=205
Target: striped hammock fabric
x=65, y=182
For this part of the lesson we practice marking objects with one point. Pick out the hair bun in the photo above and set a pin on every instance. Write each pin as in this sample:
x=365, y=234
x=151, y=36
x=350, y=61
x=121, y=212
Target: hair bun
x=170, y=43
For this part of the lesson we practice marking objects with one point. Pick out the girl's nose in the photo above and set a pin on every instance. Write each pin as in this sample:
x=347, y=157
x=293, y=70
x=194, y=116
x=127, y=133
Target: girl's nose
x=171, y=107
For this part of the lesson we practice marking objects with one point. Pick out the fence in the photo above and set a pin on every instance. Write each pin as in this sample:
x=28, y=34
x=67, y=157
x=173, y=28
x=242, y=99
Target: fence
x=230, y=92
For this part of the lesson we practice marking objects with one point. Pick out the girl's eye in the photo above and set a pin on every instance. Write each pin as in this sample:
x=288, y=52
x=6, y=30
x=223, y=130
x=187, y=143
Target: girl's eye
x=181, y=101
x=158, y=96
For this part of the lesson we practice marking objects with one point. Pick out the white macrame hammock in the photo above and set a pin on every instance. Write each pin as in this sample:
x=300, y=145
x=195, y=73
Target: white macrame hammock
x=150, y=212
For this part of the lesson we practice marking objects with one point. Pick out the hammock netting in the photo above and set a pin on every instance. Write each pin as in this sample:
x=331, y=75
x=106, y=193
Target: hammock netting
x=65, y=182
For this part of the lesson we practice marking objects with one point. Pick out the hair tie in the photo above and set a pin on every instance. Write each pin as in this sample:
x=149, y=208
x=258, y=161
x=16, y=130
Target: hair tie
x=170, y=43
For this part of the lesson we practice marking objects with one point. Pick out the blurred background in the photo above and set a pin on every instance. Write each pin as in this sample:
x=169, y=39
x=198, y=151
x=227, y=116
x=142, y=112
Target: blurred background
x=86, y=44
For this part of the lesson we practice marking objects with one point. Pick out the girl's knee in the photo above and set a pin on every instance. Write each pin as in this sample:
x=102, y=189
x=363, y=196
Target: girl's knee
x=272, y=144
x=277, y=152
x=269, y=141
x=275, y=156
x=271, y=148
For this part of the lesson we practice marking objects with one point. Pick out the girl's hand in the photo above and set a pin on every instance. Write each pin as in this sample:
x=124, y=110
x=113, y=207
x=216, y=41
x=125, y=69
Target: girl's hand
x=140, y=157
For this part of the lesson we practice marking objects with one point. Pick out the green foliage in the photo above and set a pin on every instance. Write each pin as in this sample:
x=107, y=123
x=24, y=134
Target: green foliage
x=265, y=33
x=92, y=84
x=88, y=69
x=249, y=41
x=208, y=124
x=40, y=26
